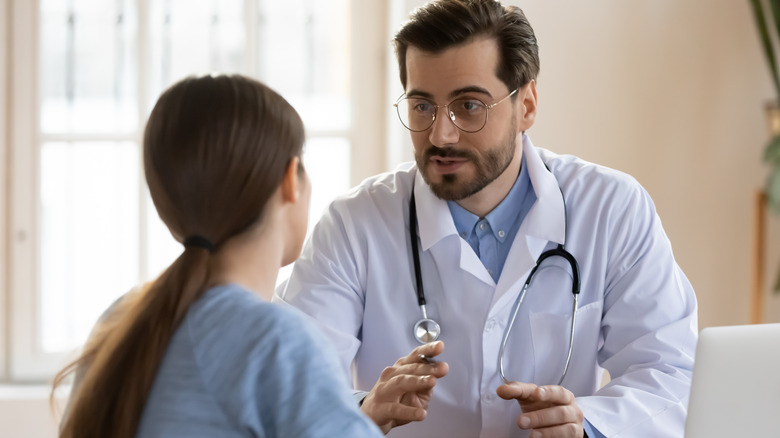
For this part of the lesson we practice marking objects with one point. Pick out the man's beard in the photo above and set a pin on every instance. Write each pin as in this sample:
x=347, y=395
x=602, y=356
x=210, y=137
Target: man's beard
x=487, y=167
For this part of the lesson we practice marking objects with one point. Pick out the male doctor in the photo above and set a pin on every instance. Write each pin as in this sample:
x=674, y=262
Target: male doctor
x=488, y=204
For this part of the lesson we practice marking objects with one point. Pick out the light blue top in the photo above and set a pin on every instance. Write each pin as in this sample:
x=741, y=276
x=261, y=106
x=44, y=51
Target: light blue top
x=241, y=367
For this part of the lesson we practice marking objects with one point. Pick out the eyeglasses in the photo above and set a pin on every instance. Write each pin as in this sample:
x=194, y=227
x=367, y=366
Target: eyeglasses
x=467, y=113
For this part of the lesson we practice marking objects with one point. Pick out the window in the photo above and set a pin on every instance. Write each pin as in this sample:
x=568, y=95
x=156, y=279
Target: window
x=85, y=74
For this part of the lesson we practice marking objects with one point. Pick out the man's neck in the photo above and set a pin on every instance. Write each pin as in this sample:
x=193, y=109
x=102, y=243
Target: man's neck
x=487, y=199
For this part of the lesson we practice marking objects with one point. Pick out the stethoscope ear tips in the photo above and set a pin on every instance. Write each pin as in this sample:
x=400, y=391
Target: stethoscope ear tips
x=426, y=330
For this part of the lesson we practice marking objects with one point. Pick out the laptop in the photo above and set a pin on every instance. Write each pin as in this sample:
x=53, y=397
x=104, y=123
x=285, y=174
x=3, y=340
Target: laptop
x=735, y=390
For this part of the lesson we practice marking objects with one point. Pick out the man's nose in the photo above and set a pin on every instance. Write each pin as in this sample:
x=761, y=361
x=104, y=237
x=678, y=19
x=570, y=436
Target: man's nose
x=443, y=131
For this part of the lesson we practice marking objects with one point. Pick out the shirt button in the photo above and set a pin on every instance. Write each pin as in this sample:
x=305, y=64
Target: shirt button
x=501, y=234
x=482, y=226
x=462, y=235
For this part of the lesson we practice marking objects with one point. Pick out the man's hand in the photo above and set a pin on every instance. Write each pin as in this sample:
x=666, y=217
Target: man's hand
x=403, y=391
x=550, y=411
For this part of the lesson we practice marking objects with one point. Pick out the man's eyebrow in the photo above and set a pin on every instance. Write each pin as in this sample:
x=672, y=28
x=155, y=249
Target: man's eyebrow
x=418, y=93
x=453, y=94
x=470, y=89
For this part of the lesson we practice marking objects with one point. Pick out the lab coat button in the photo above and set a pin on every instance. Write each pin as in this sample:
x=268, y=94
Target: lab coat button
x=488, y=397
x=490, y=325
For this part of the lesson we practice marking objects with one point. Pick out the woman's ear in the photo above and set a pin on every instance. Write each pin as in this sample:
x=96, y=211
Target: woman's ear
x=291, y=183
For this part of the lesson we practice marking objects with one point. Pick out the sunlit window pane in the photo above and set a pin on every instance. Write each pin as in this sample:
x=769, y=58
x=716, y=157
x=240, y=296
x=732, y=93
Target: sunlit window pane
x=89, y=235
x=306, y=57
x=327, y=163
x=88, y=66
x=194, y=37
x=95, y=240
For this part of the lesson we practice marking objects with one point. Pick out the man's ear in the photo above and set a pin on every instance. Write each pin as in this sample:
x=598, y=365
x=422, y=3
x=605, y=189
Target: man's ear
x=291, y=183
x=527, y=114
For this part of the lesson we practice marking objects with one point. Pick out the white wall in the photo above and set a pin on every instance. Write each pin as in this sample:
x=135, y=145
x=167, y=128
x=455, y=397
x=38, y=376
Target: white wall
x=25, y=412
x=671, y=92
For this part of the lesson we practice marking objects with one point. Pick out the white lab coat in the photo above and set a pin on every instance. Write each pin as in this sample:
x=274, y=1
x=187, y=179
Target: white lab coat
x=637, y=311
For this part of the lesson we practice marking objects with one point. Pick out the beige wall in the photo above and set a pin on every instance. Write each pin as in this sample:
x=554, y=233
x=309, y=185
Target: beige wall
x=671, y=92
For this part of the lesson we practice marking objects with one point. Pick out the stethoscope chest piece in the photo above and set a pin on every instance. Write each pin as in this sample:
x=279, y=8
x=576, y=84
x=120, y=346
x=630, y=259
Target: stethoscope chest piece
x=426, y=330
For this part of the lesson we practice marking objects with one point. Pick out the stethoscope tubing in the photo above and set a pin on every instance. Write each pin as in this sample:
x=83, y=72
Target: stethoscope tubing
x=428, y=330
x=511, y=322
x=416, y=252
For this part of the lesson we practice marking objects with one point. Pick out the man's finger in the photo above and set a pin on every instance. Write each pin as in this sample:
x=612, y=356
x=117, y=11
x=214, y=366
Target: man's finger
x=554, y=394
x=553, y=416
x=429, y=350
x=559, y=431
x=403, y=413
x=402, y=384
x=438, y=369
x=517, y=390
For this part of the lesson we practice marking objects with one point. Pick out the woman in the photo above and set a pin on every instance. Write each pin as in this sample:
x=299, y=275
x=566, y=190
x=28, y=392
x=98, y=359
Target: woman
x=200, y=351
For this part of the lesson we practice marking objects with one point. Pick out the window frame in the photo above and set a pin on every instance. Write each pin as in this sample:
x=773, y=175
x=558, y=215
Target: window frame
x=21, y=356
x=23, y=185
x=4, y=188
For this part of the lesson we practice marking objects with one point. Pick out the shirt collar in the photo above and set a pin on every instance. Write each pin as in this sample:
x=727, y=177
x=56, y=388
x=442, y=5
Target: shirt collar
x=545, y=220
x=502, y=218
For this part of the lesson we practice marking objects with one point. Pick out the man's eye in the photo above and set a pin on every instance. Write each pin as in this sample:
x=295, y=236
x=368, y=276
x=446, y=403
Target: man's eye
x=470, y=106
x=422, y=107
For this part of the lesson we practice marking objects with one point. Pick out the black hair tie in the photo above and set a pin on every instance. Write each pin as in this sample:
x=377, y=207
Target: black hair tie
x=200, y=242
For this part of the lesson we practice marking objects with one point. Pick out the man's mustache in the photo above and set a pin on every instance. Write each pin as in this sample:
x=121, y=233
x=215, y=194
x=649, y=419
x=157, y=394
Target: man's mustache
x=435, y=151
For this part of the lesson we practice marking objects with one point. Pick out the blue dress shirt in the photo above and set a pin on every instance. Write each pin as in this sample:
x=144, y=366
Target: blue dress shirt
x=491, y=237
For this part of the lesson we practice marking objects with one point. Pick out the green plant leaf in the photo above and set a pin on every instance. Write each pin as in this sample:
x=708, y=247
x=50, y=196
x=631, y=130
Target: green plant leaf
x=775, y=6
x=772, y=151
x=773, y=190
x=777, y=283
x=766, y=41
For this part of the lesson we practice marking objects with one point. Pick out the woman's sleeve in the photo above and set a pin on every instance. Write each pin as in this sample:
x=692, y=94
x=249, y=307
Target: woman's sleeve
x=283, y=380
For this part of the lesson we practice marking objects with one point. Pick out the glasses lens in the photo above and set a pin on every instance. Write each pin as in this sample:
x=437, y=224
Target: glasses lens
x=469, y=115
x=416, y=114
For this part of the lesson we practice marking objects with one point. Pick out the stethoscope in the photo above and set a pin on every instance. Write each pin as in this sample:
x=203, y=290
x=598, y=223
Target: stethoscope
x=427, y=330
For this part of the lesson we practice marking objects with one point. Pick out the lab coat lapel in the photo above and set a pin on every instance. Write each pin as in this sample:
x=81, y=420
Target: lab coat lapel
x=545, y=222
x=435, y=223
x=547, y=218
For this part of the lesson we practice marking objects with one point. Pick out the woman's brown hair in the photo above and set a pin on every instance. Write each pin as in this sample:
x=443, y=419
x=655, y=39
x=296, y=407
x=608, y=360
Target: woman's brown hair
x=215, y=150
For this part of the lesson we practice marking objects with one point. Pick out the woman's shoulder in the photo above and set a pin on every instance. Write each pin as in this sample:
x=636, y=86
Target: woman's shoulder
x=230, y=325
x=232, y=309
x=266, y=363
